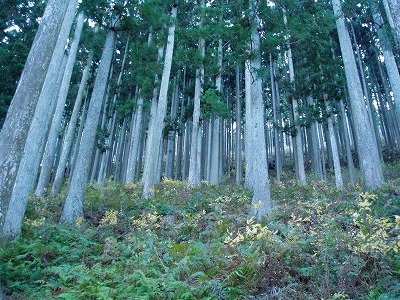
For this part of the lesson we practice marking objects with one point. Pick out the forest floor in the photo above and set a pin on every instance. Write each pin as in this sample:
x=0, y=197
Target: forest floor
x=202, y=243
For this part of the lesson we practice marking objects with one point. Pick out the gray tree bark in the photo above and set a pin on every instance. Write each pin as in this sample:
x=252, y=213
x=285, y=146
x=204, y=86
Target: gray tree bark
x=51, y=146
x=194, y=166
x=335, y=149
x=367, y=148
x=298, y=139
x=73, y=207
x=275, y=105
x=239, y=161
x=20, y=113
x=350, y=163
x=255, y=145
x=155, y=134
x=394, y=7
x=390, y=60
x=170, y=155
x=215, y=171
x=135, y=139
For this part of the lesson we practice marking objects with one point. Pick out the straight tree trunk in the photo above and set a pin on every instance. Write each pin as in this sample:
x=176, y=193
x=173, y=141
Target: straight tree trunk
x=394, y=7
x=367, y=147
x=186, y=157
x=275, y=104
x=255, y=146
x=389, y=61
x=179, y=154
x=298, y=139
x=350, y=164
x=335, y=149
x=239, y=162
x=135, y=139
x=170, y=155
x=141, y=148
x=215, y=147
x=20, y=113
x=73, y=207
x=194, y=166
x=154, y=139
x=50, y=150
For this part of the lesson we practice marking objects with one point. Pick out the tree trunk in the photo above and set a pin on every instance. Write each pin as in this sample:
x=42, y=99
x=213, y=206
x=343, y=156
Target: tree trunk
x=20, y=113
x=255, y=146
x=170, y=156
x=194, y=167
x=239, y=162
x=155, y=135
x=73, y=207
x=186, y=157
x=135, y=139
x=394, y=6
x=350, y=164
x=215, y=147
x=367, y=147
x=315, y=146
x=179, y=154
x=298, y=139
x=389, y=61
x=335, y=149
x=50, y=150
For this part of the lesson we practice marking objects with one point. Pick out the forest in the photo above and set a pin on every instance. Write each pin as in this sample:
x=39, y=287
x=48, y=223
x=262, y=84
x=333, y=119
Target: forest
x=205, y=149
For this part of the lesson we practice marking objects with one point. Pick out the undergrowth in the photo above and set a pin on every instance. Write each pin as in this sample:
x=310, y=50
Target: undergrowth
x=317, y=243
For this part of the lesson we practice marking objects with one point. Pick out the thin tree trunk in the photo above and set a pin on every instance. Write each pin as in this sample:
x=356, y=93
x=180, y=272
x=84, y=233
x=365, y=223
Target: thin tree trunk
x=298, y=139
x=188, y=131
x=73, y=207
x=135, y=139
x=316, y=155
x=215, y=170
x=335, y=149
x=239, y=162
x=170, y=156
x=350, y=164
x=194, y=167
x=179, y=155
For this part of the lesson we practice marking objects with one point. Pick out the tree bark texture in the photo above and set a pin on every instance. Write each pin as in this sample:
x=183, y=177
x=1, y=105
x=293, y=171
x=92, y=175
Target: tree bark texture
x=154, y=139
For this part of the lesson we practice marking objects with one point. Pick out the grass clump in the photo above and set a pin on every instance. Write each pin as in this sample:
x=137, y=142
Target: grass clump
x=202, y=243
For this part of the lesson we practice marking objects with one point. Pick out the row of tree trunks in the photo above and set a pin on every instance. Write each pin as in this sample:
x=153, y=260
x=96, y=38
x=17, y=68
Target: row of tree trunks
x=20, y=113
x=201, y=150
x=36, y=139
